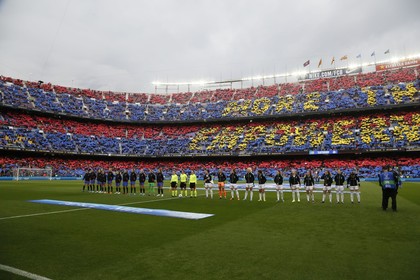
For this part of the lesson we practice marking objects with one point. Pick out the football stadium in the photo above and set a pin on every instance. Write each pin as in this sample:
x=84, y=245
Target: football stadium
x=282, y=175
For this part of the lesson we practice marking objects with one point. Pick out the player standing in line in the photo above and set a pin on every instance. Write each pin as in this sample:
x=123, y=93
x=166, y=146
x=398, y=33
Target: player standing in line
x=86, y=181
x=208, y=185
x=174, y=183
x=309, y=183
x=159, y=179
x=101, y=179
x=261, y=185
x=110, y=178
x=92, y=177
x=96, y=182
x=354, y=182
x=294, y=182
x=142, y=180
x=133, y=179
x=183, y=183
x=328, y=180
x=125, y=178
x=221, y=178
x=233, y=179
x=278, y=179
x=339, y=185
x=193, y=184
x=249, y=183
x=151, y=178
x=118, y=179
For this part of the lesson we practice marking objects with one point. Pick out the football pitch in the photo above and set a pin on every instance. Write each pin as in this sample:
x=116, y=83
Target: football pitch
x=243, y=240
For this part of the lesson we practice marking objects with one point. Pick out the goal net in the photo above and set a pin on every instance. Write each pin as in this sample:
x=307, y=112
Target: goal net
x=32, y=174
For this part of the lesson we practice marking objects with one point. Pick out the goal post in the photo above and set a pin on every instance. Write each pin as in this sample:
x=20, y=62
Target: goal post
x=24, y=173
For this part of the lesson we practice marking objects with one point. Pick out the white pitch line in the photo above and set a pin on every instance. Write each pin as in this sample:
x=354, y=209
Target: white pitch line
x=22, y=273
x=44, y=213
x=79, y=209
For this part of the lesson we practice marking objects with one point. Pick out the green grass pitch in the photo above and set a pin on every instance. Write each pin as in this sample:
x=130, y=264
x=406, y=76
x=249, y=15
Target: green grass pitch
x=244, y=240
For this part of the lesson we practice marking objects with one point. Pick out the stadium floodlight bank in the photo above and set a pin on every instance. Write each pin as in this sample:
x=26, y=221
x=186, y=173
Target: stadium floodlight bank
x=25, y=173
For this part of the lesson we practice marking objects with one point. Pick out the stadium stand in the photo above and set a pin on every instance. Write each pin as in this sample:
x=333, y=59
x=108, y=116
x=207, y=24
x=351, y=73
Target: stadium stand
x=281, y=119
x=367, y=167
x=368, y=90
x=367, y=132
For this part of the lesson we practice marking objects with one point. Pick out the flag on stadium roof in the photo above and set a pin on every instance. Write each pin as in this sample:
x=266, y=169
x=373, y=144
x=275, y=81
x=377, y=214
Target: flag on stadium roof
x=306, y=63
x=373, y=54
x=359, y=55
x=386, y=52
x=332, y=60
x=344, y=57
x=320, y=62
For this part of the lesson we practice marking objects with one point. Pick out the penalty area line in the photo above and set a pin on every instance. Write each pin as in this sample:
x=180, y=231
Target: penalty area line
x=80, y=209
x=22, y=273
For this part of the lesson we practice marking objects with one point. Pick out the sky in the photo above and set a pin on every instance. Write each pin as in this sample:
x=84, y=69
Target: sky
x=126, y=45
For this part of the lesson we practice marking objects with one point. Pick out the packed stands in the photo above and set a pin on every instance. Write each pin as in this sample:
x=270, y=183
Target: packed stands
x=268, y=121
x=367, y=167
x=367, y=90
x=366, y=132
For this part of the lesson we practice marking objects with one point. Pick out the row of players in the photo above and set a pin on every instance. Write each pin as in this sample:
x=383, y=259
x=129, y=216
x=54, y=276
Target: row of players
x=124, y=177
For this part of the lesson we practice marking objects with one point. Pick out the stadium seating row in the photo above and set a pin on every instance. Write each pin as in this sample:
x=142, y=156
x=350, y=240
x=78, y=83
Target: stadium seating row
x=366, y=167
x=375, y=131
x=372, y=90
x=321, y=85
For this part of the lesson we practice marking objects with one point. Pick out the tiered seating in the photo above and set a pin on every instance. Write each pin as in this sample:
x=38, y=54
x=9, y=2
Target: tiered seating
x=181, y=98
x=378, y=131
x=349, y=92
x=202, y=97
x=223, y=95
x=365, y=166
x=141, y=98
x=159, y=99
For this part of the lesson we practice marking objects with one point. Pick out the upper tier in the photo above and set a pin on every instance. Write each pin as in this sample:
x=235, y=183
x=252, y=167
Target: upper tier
x=370, y=90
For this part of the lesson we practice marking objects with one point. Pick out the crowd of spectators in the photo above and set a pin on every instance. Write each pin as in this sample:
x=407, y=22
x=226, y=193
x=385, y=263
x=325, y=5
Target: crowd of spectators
x=368, y=90
x=356, y=133
x=366, y=167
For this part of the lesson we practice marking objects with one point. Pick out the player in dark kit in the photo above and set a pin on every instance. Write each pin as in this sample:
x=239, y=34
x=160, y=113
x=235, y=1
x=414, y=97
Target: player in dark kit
x=249, y=183
x=339, y=185
x=278, y=179
x=151, y=178
x=309, y=183
x=294, y=182
x=221, y=178
x=261, y=185
x=208, y=184
x=233, y=180
x=110, y=178
x=125, y=178
x=354, y=182
x=86, y=180
x=92, y=177
x=118, y=179
x=328, y=180
x=159, y=179
x=98, y=181
x=133, y=179
x=101, y=179
x=142, y=180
